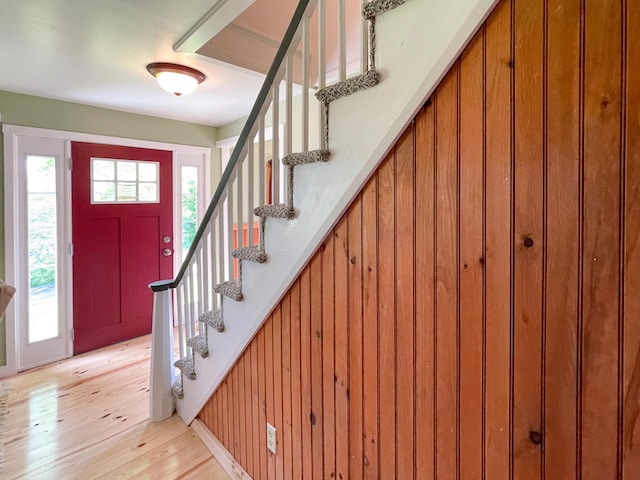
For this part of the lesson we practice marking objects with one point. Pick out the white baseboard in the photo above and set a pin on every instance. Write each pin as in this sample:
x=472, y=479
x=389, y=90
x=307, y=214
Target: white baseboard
x=226, y=460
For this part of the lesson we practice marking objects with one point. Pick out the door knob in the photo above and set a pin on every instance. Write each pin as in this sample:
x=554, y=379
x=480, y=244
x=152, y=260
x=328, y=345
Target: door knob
x=167, y=252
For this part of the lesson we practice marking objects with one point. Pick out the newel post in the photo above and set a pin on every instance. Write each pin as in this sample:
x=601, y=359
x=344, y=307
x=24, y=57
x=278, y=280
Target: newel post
x=161, y=401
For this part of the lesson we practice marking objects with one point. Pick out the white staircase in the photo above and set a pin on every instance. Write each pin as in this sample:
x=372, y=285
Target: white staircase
x=414, y=46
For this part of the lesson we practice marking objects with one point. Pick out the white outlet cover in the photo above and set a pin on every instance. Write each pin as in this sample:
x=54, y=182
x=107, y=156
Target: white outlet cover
x=271, y=438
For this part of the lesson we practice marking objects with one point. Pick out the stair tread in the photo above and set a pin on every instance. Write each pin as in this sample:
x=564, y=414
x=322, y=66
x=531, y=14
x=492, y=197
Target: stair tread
x=252, y=254
x=230, y=289
x=300, y=158
x=199, y=345
x=213, y=319
x=278, y=210
x=377, y=7
x=347, y=87
x=186, y=366
x=177, y=390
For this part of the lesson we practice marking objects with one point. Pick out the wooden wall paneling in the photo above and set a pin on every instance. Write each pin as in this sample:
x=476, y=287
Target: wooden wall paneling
x=341, y=348
x=230, y=420
x=262, y=394
x=355, y=328
x=222, y=415
x=306, y=338
x=328, y=357
x=631, y=379
x=270, y=395
x=562, y=225
x=212, y=415
x=497, y=242
x=405, y=301
x=217, y=410
x=529, y=238
x=235, y=414
x=425, y=300
x=285, y=304
x=602, y=110
x=244, y=408
x=471, y=252
x=296, y=383
x=278, y=393
x=256, y=425
x=248, y=403
x=221, y=418
x=225, y=414
x=219, y=432
x=317, y=407
x=481, y=288
x=386, y=316
x=248, y=410
x=447, y=256
x=234, y=402
x=370, y=328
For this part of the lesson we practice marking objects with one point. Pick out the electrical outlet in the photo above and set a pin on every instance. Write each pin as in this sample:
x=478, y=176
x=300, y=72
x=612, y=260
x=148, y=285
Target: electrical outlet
x=271, y=438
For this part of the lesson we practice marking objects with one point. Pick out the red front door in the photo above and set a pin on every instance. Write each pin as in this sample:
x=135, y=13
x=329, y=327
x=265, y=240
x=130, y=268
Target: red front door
x=122, y=240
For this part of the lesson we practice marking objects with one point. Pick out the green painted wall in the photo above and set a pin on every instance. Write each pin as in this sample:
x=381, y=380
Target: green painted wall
x=30, y=111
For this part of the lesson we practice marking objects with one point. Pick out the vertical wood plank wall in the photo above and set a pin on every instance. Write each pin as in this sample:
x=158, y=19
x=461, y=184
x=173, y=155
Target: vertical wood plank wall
x=476, y=312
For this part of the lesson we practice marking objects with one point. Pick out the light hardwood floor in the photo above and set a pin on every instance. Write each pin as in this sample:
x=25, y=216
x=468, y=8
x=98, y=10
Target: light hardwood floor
x=87, y=417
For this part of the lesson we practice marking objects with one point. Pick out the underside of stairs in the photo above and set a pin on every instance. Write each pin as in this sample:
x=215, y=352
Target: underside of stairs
x=413, y=46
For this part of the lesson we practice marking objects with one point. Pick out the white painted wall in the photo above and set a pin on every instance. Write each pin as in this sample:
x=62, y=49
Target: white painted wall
x=417, y=43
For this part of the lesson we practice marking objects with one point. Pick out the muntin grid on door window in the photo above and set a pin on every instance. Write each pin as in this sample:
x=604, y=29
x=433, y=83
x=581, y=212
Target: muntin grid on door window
x=124, y=181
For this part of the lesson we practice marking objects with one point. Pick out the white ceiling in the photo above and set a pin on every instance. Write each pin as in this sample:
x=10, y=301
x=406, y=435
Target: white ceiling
x=95, y=52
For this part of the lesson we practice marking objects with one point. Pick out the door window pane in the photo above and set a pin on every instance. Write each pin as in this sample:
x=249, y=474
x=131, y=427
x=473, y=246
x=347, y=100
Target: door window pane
x=103, y=170
x=147, y=172
x=127, y=192
x=42, y=228
x=124, y=181
x=127, y=171
x=147, y=192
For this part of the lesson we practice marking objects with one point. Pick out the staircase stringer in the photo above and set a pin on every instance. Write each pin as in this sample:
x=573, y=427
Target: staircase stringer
x=417, y=43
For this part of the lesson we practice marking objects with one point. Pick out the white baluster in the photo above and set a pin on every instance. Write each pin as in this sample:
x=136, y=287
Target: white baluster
x=342, y=42
x=250, y=189
x=221, y=242
x=364, y=41
x=180, y=310
x=275, y=145
x=262, y=198
x=239, y=206
x=230, y=221
x=305, y=84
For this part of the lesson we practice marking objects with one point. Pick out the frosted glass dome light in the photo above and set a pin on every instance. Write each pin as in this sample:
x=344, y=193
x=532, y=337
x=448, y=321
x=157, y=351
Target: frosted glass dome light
x=176, y=79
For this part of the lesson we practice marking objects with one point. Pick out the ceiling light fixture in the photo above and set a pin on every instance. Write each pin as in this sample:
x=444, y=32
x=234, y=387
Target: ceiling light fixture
x=176, y=79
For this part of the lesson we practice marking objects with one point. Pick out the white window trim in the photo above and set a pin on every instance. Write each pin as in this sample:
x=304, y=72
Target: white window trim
x=182, y=155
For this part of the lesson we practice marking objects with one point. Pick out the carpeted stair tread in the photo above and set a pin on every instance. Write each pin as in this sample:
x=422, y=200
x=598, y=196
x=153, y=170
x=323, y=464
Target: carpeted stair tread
x=347, y=87
x=229, y=289
x=213, y=319
x=199, y=345
x=185, y=365
x=279, y=210
x=300, y=158
x=252, y=254
x=376, y=7
x=176, y=389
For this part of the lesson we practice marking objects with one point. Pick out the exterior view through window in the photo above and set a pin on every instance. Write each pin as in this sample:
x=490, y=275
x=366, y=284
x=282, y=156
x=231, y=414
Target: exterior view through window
x=42, y=228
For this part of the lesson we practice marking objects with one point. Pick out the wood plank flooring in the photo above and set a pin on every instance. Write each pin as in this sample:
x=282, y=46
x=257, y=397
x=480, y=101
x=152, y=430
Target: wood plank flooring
x=87, y=418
